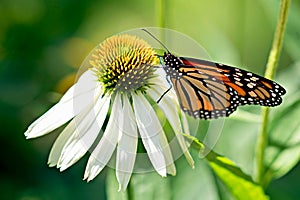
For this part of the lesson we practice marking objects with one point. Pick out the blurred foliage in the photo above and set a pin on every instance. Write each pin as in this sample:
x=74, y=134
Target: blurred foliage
x=44, y=42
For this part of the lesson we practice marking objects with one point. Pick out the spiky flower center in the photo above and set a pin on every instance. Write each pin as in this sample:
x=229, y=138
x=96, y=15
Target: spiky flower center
x=124, y=63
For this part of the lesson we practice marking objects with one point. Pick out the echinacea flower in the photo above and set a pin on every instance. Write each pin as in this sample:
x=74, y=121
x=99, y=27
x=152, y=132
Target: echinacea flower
x=117, y=94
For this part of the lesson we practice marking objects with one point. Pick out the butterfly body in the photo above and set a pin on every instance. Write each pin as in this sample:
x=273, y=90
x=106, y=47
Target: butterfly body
x=210, y=90
x=172, y=66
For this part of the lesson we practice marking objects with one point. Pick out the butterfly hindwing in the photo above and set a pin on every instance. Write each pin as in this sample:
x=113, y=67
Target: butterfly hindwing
x=202, y=99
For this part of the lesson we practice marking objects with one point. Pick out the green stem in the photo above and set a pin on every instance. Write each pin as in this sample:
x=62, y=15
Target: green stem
x=129, y=191
x=270, y=73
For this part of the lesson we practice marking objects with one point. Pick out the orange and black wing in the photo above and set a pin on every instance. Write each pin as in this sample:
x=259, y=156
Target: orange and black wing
x=209, y=90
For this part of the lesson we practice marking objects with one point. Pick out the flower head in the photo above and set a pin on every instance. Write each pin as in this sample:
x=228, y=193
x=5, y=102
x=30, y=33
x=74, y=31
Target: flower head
x=124, y=63
x=120, y=87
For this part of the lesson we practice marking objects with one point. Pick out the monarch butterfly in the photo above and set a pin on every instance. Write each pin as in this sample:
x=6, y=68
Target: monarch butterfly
x=209, y=90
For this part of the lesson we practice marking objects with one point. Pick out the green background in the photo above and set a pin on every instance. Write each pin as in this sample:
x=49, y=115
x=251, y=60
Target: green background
x=43, y=43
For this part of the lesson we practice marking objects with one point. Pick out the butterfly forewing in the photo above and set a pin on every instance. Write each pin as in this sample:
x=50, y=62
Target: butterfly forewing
x=251, y=88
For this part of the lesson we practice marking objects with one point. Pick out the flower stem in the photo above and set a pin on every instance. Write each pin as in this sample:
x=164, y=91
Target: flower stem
x=270, y=73
x=161, y=17
x=129, y=191
x=160, y=9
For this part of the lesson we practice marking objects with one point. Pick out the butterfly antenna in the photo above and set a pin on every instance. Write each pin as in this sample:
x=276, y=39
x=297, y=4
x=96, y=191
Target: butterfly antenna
x=156, y=39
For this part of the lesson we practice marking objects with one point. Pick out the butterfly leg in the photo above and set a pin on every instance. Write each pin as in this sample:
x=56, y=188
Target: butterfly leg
x=170, y=87
x=163, y=94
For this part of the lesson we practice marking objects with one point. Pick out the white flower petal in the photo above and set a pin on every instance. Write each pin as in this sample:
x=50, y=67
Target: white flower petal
x=161, y=78
x=87, y=126
x=60, y=142
x=159, y=89
x=152, y=135
x=170, y=109
x=185, y=123
x=73, y=101
x=65, y=135
x=127, y=146
x=186, y=130
x=103, y=151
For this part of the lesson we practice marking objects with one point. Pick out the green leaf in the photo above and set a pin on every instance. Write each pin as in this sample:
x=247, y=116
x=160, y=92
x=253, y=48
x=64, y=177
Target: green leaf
x=238, y=183
x=283, y=152
x=197, y=183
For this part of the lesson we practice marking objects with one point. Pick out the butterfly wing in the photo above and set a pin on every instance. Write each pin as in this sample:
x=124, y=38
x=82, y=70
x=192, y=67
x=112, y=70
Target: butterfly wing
x=210, y=90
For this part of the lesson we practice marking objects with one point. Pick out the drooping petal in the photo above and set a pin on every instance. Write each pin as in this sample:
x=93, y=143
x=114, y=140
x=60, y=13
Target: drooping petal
x=87, y=126
x=152, y=135
x=60, y=142
x=103, y=151
x=171, y=110
x=168, y=106
x=127, y=146
x=75, y=99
